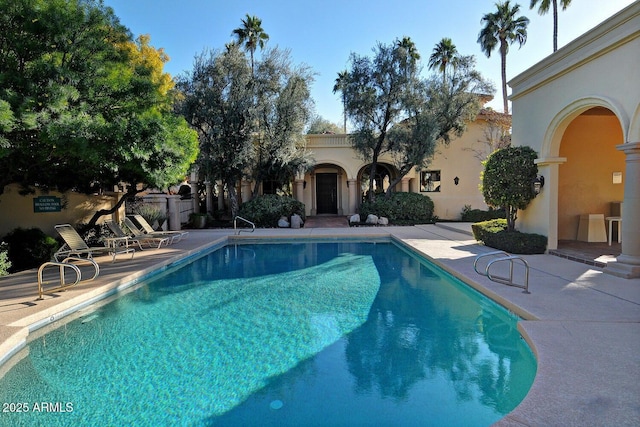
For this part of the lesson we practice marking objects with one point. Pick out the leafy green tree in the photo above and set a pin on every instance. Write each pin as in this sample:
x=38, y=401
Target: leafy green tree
x=283, y=107
x=544, y=9
x=444, y=54
x=218, y=101
x=321, y=125
x=507, y=180
x=252, y=35
x=378, y=92
x=251, y=125
x=502, y=28
x=87, y=110
x=397, y=112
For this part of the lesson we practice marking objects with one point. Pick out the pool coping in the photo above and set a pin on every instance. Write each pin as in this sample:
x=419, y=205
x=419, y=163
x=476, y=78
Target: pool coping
x=582, y=325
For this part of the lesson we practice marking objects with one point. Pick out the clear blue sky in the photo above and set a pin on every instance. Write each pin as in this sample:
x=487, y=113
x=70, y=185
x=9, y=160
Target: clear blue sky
x=323, y=33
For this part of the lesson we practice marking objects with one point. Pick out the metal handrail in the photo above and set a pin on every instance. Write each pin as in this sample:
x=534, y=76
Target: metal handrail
x=62, y=265
x=504, y=256
x=253, y=226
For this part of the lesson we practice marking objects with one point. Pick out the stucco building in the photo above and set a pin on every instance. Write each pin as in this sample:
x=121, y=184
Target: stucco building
x=339, y=179
x=579, y=109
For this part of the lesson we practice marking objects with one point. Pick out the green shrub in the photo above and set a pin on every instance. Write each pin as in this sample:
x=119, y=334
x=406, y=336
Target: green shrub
x=400, y=208
x=5, y=264
x=478, y=215
x=28, y=248
x=495, y=235
x=266, y=210
x=151, y=214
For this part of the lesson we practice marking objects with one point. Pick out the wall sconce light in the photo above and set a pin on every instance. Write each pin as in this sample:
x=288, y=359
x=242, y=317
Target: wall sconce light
x=538, y=183
x=456, y=180
x=304, y=184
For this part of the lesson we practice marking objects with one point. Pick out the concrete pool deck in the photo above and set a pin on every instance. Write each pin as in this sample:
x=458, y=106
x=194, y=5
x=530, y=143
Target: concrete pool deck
x=583, y=325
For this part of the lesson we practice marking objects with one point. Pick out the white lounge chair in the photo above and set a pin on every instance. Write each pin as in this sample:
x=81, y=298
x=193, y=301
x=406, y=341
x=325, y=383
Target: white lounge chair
x=139, y=240
x=74, y=245
x=147, y=229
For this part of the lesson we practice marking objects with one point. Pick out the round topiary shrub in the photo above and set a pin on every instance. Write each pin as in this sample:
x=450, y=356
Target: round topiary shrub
x=29, y=248
x=400, y=208
x=266, y=210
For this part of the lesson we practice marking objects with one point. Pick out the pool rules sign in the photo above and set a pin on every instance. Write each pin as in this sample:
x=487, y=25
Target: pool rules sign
x=46, y=204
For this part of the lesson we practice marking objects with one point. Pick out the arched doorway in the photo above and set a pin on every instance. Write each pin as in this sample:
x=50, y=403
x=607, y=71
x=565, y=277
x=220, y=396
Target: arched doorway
x=591, y=180
x=385, y=173
x=329, y=190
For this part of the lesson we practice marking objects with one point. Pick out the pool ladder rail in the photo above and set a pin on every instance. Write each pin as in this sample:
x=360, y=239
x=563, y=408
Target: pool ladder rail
x=65, y=264
x=502, y=257
x=240, y=230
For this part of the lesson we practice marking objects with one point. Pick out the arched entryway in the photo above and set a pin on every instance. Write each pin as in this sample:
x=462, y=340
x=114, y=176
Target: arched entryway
x=591, y=177
x=385, y=173
x=329, y=190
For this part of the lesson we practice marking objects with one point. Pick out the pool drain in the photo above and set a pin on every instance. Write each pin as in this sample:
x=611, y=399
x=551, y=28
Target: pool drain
x=276, y=404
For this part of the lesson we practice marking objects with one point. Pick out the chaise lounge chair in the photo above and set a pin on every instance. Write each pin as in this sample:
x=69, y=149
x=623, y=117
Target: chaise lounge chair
x=137, y=232
x=139, y=240
x=74, y=245
x=147, y=229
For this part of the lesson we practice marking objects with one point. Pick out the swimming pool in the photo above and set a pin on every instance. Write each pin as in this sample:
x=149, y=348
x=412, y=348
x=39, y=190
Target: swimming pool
x=306, y=333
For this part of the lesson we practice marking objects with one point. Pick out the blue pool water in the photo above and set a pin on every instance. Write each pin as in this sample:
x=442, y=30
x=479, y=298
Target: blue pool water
x=298, y=334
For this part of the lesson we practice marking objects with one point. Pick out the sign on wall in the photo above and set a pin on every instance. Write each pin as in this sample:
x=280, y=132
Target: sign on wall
x=47, y=204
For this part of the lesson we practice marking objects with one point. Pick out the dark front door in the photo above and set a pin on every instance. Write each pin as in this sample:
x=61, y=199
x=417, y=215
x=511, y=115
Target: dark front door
x=327, y=193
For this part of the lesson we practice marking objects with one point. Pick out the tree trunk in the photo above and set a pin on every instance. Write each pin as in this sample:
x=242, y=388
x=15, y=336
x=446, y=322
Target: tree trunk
x=102, y=212
x=555, y=25
x=503, y=59
x=511, y=213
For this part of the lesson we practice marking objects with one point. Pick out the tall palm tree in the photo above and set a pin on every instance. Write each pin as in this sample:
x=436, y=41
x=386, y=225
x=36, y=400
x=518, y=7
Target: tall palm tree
x=340, y=85
x=444, y=54
x=251, y=35
x=503, y=28
x=544, y=9
x=409, y=54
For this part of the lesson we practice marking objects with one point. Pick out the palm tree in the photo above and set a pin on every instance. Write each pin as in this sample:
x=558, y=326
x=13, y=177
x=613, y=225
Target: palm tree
x=252, y=35
x=544, y=9
x=444, y=54
x=341, y=84
x=502, y=27
x=409, y=54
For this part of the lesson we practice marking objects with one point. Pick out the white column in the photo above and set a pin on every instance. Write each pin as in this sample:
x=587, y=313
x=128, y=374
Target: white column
x=209, y=195
x=352, y=183
x=174, y=212
x=627, y=264
x=194, y=196
x=312, y=178
x=299, y=189
x=220, y=195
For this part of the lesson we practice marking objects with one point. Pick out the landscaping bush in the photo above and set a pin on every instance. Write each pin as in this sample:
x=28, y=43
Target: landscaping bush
x=29, y=248
x=479, y=215
x=400, y=208
x=494, y=234
x=152, y=214
x=266, y=210
x=5, y=264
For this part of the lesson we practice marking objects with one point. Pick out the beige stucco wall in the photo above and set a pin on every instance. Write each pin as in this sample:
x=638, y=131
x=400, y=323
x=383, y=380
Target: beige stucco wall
x=599, y=69
x=18, y=211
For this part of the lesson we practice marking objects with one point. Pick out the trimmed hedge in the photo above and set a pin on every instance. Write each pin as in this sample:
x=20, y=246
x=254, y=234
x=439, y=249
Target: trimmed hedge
x=266, y=210
x=495, y=235
x=400, y=208
x=29, y=248
x=478, y=215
